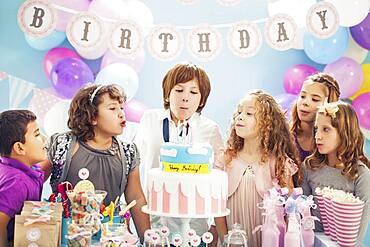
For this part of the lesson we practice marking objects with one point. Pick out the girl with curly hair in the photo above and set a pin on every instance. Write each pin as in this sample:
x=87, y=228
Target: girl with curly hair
x=261, y=154
x=338, y=160
x=315, y=89
x=92, y=151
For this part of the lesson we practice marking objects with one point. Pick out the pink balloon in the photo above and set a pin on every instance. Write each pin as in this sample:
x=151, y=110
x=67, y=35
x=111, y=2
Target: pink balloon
x=54, y=55
x=362, y=107
x=134, y=110
x=64, y=16
x=295, y=76
x=348, y=74
x=136, y=63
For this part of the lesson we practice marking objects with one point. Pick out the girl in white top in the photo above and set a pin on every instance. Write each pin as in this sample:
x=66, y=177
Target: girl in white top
x=185, y=91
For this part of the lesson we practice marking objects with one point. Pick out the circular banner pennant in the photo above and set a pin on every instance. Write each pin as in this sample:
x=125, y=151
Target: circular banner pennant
x=322, y=20
x=37, y=18
x=280, y=32
x=85, y=31
x=165, y=42
x=126, y=39
x=204, y=42
x=245, y=39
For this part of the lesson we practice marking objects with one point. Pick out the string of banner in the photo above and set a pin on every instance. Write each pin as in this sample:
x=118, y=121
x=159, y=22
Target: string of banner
x=222, y=2
x=88, y=32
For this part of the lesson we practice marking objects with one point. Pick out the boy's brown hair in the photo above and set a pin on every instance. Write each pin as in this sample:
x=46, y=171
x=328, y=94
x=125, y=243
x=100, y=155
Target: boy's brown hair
x=13, y=128
x=84, y=108
x=184, y=72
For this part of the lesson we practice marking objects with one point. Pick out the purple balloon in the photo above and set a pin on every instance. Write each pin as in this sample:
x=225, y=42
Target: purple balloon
x=295, y=76
x=361, y=32
x=348, y=74
x=69, y=75
x=286, y=101
x=362, y=108
x=55, y=55
x=134, y=109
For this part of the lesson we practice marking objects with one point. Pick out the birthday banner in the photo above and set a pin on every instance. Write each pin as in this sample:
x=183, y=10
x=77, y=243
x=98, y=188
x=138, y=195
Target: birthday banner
x=89, y=33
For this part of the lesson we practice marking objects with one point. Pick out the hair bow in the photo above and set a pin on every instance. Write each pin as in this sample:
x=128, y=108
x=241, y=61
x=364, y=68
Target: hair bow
x=329, y=108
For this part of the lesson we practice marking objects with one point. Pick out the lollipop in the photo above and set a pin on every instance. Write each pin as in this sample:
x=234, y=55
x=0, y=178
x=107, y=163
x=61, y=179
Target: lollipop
x=195, y=241
x=164, y=232
x=85, y=186
x=147, y=235
x=177, y=240
x=191, y=234
x=155, y=238
x=207, y=238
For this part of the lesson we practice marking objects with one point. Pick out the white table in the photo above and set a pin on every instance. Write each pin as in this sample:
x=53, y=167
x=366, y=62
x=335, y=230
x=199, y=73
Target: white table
x=322, y=240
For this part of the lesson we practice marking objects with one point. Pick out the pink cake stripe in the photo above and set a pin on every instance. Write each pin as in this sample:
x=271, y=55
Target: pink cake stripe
x=154, y=200
x=183, y=202
x=214, y=205
x=166, y=200
x=200, y=207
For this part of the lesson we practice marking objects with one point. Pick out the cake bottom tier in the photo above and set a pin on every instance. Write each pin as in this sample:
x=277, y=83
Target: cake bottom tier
x=187, y=195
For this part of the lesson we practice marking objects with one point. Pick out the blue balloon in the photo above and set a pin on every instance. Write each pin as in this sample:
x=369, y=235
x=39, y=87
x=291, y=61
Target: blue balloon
x=326, y=51
x=43, y=44
x=367, y=147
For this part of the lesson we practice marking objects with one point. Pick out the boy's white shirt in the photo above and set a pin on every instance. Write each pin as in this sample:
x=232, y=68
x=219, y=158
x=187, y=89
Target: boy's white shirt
x=149, y=138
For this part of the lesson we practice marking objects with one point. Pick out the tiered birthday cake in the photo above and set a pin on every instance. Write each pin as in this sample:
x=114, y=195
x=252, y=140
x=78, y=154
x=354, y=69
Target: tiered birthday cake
x=186, y=185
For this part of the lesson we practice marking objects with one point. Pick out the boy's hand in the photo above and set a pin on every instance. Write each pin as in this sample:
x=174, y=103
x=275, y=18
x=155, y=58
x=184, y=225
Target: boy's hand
x=4, y=220
x=46, y=167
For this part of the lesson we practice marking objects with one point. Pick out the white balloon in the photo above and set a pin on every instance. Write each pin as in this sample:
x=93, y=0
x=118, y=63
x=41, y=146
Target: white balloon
x=133, y=10
x=355, y=51
x=95, y=53
x=351, y=12
x=122, y=75
x=56, y=118
x=116, y=9
x=141, y=14
x=296, y=9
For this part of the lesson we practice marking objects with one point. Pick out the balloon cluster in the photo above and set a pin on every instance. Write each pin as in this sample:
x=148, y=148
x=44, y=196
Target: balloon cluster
x=353, y=80
x=68, y=70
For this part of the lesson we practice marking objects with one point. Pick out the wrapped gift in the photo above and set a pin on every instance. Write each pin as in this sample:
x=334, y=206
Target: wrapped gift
x=39, y=223
x=41, y=231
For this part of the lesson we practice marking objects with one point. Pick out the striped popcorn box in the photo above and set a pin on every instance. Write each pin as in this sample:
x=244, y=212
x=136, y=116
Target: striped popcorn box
x=328, y=223
x=347, y=220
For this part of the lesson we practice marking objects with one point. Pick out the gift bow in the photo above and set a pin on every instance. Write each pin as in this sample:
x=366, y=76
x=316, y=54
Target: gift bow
x=42, y=218
x=329, y=108
x=42, y=210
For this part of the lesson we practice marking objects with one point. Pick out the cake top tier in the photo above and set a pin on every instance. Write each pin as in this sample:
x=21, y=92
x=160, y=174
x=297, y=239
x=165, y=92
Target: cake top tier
x=185, y=158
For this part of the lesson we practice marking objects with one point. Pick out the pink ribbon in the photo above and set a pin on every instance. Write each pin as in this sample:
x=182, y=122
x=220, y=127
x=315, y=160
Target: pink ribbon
x=43, y=218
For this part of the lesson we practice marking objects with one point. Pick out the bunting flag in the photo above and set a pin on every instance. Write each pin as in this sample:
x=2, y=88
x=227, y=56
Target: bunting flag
x=41, y=103
x=3, y=75
x=92, y=35
x=19, y=89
